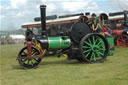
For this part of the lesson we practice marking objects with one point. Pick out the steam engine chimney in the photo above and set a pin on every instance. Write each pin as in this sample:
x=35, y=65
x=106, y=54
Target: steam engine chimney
x=43, y=20
x=44, y=39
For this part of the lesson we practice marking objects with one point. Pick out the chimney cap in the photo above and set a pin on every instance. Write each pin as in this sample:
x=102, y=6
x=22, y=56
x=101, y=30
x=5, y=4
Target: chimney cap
x=42, y=6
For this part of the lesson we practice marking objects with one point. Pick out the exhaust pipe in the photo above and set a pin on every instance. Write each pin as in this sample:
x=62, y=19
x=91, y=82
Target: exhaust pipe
x=44, y=35
x=43, y=20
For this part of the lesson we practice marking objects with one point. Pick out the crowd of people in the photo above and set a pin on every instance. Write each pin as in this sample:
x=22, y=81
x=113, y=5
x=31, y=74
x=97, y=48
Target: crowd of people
x=94, y=24
x=8, y=40
x=105, y=29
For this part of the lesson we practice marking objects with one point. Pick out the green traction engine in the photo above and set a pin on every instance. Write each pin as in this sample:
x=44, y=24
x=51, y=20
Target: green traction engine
x=81, y=44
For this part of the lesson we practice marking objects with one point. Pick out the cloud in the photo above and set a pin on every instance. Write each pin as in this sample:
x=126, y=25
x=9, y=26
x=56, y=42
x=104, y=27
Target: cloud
x=51, y=8
x=16, y=3
x=17, y=12
x=74, y=6
x=121, y=4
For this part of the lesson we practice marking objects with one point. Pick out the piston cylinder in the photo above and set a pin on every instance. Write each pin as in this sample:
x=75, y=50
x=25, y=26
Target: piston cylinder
x=59, y=42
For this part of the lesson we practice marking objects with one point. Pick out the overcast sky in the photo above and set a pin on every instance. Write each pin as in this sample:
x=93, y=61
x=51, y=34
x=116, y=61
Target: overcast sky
x=13, y=13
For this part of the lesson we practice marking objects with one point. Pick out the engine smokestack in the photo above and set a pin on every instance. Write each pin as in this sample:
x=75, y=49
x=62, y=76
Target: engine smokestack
x=44, y=39
x=43, y=20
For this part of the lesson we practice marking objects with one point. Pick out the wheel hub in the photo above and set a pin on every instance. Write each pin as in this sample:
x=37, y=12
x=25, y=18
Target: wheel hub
x=95, y=47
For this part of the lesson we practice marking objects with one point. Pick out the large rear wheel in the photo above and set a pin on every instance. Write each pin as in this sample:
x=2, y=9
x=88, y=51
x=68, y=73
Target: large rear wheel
x=94, y=48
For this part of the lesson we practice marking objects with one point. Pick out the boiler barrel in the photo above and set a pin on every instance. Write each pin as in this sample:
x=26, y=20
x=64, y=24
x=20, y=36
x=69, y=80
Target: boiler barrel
x=59, y=42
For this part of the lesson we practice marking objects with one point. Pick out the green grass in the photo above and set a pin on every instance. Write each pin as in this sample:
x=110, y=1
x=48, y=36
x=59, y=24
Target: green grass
x=59, y=71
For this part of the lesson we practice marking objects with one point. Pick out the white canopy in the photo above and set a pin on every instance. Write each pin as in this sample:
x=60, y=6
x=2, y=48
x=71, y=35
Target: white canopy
x=17, y=36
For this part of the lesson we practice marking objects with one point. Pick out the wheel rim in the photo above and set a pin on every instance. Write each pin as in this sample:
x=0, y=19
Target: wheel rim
x=122, y=41
x=94, y=48
x=29, y=63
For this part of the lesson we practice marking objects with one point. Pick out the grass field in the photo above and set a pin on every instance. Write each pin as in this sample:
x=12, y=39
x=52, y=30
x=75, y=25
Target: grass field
x=59, y=71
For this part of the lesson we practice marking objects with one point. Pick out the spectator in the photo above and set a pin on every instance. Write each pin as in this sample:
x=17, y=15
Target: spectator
x=107, y=31
x=95, y=23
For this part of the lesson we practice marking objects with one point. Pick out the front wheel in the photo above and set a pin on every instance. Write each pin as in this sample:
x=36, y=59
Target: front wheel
x=94, y=48
x=29, y=63
x=122, y=41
